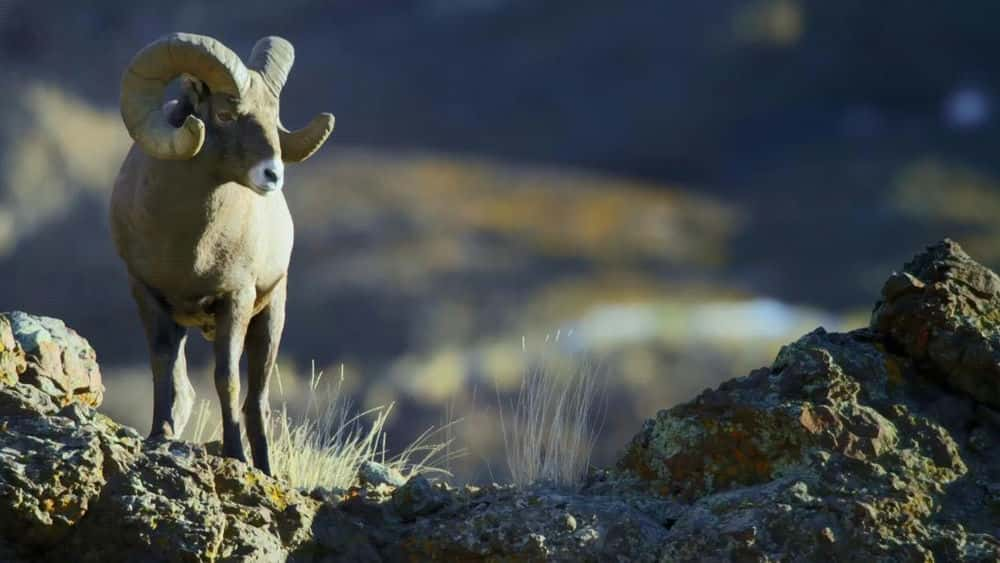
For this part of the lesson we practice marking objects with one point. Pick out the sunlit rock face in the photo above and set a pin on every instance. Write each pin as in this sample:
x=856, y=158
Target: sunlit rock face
x=58, y=360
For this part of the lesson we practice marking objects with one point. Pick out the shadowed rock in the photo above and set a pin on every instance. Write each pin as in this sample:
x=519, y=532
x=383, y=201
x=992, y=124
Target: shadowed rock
x=943, y=311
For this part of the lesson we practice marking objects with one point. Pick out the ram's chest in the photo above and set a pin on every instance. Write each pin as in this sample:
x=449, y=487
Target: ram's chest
x=226, y=252
x=234, y=239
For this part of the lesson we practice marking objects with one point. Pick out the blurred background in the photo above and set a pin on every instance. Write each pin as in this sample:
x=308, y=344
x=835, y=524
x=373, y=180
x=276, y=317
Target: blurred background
x=666, y=190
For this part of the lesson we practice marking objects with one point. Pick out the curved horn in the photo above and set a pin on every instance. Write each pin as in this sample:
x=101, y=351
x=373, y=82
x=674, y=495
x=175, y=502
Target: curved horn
x=273, y=57
x=150, y=72
x=299, y=145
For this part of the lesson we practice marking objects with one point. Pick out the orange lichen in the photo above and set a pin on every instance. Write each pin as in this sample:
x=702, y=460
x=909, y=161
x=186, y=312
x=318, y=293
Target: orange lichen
x=735, y=447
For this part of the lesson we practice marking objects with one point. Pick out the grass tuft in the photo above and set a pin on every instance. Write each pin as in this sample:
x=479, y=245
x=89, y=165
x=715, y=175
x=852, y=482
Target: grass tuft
x=325, y=446
x=555, y=420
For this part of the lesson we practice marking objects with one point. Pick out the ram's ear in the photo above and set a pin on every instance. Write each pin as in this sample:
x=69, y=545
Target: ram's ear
x=193, y=89
x=300, y=144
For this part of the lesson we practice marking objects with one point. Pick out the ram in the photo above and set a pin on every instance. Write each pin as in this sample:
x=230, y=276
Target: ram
x=200, y=220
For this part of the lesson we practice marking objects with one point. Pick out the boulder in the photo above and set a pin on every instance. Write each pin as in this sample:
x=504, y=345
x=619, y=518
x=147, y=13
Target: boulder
x=866, y=445
x=374, y=474
x=58, y=361
x=943, y=311
x=418, y=497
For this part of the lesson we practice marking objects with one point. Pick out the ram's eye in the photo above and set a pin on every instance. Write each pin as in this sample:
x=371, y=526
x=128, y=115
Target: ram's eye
x=224, y=116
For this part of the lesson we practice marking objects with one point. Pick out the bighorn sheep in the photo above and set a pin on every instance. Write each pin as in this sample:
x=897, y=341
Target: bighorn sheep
x=198, y=216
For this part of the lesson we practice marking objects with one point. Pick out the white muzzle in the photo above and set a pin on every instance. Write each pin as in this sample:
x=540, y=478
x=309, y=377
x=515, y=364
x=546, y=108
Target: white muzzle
x=267, y=176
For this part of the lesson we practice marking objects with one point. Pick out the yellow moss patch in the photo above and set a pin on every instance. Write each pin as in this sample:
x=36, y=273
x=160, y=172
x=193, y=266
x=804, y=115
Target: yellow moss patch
x=277, y=496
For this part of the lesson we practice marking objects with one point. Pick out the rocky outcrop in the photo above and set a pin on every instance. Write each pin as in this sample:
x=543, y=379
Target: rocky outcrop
x=56, y=359
x=878, y=444
x=943, y=312
x=74, y=484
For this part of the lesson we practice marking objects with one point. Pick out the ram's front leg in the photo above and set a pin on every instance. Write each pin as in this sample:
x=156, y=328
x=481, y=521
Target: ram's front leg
x=262, y=342
x=231, y=320
x=173, y=395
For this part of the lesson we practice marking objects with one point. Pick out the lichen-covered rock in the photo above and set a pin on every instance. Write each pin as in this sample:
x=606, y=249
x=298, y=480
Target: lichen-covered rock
x=163, y=507
x=51, y=471
x=179, y=503
x=58, y=360
x=265, y=519
x=792, y=520
x=19, y=400
x=504, y=523
x=12, y=360
x=755, y=429
x=819, y=434
x=943, y=309
x=76, y=486
x=847, y=447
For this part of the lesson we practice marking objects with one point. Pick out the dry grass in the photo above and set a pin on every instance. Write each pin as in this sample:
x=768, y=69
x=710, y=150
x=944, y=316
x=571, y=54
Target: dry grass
x=325, y=446
x=555, y=421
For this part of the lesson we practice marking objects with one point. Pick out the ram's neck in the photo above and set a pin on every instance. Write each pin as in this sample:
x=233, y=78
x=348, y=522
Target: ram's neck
x=177, y=204
x=190, y=191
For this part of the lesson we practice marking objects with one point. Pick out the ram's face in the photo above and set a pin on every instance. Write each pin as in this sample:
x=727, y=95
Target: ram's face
x=241, y=135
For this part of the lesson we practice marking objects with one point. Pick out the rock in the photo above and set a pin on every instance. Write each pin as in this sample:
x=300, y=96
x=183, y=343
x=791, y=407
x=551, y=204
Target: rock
x=878, y=444
x=825, y=450
x=58, y=360
x=12, y=360
x=845, y=447
x=70, y=475
x=51, y=471
x=20, y=400
x=504, y=523
x=754, y=429
x=165, y=498
x=570, y=522
x=418, y=497
x=375, y=474
x=944, y=310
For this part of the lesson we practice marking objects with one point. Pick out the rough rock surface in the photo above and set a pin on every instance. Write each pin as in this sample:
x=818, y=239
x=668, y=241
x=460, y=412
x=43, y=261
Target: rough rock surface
x=12, y=360
x=875, y=445
x=373, y=473
x=943, y=311
x=58, y=360
x=878, y=444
